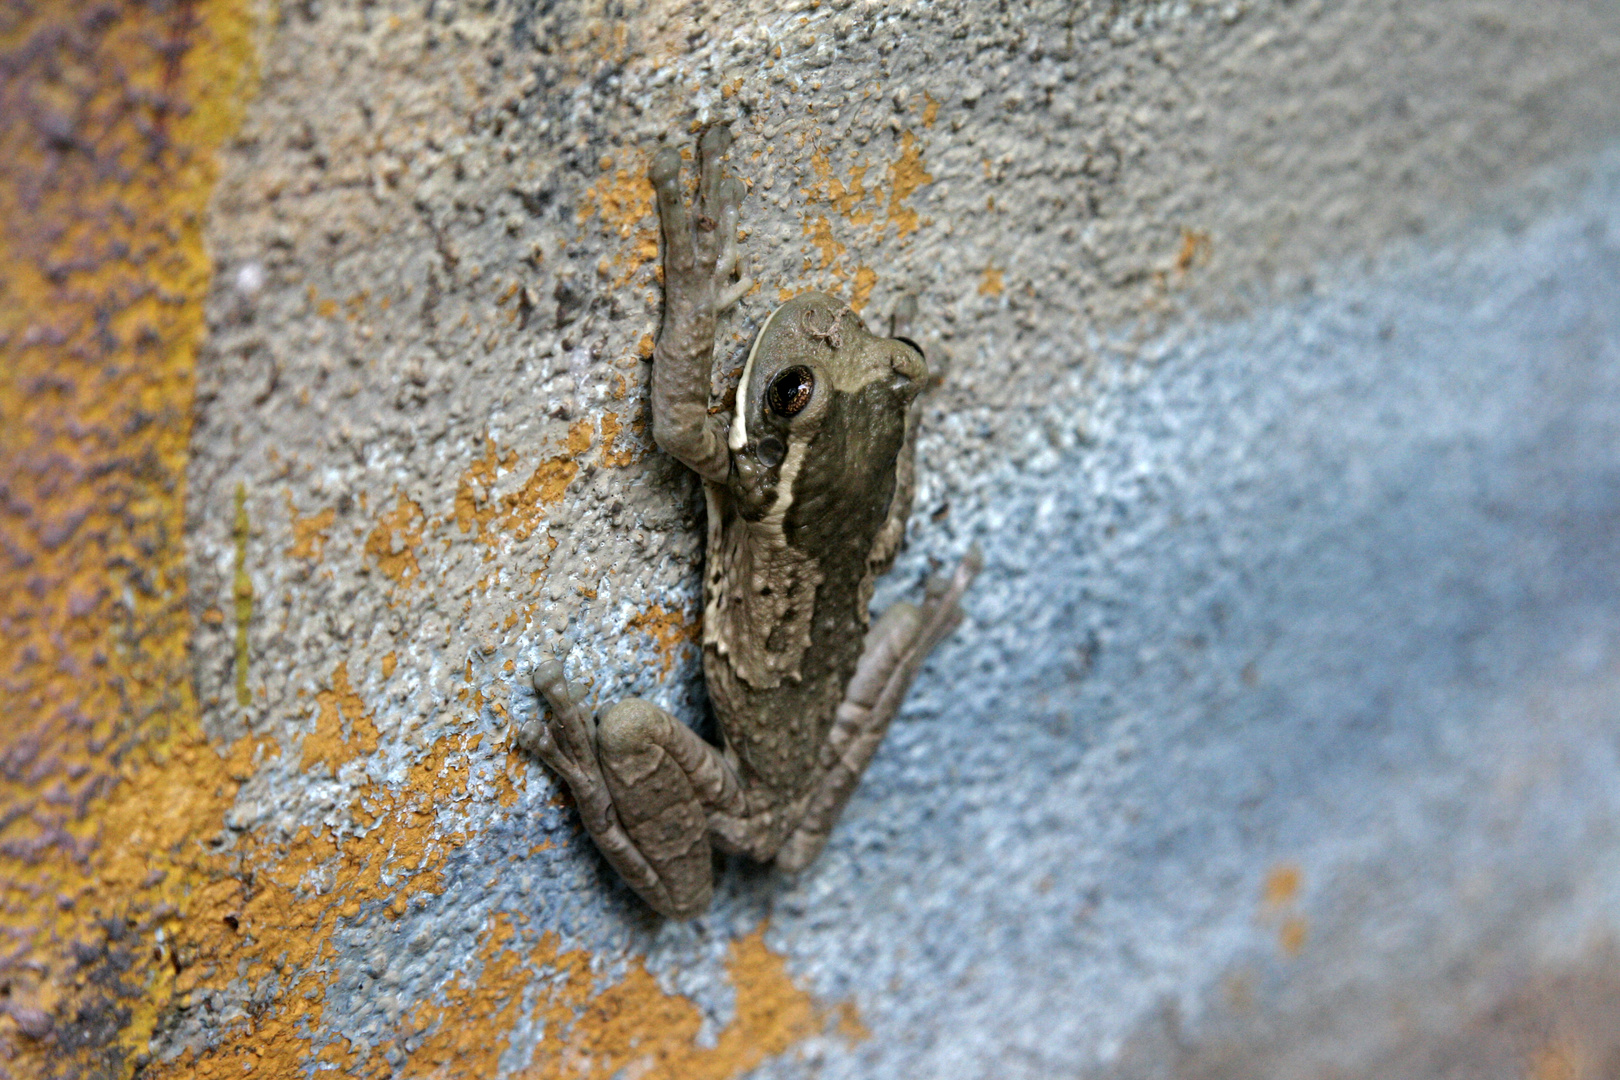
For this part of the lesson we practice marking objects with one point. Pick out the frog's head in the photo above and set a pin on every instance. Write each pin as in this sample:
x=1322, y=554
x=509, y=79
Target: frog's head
x=821, y=409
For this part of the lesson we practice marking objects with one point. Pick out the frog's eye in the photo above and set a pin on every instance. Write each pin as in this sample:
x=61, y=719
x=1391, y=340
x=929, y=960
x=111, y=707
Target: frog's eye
x=916, y=348
x=790, y=391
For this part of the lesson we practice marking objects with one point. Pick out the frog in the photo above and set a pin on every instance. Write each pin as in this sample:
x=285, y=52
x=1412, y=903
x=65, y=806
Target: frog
x=808, y=487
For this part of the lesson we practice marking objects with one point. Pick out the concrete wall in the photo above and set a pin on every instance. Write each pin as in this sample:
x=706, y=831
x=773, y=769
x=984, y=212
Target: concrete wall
x=1281, y=390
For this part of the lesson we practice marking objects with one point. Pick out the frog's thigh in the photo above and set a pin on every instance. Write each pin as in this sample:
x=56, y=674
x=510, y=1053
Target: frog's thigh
x=658, y=779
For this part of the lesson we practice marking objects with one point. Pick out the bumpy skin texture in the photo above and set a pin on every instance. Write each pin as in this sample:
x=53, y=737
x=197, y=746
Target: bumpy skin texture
x=808, y=492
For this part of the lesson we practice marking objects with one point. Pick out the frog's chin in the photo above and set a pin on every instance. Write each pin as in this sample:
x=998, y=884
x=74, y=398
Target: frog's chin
x=739, y=425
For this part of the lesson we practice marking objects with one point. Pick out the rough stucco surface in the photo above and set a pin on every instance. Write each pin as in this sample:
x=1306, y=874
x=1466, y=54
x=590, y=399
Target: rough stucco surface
x=1280, y=388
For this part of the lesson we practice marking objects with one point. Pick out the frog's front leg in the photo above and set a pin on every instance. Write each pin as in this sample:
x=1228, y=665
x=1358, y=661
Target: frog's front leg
x=645, y=784
x=895, y=649
x=700, y=255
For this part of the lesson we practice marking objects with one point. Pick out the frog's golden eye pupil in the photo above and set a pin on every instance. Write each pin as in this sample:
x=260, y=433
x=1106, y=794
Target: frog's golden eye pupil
x=790, y=391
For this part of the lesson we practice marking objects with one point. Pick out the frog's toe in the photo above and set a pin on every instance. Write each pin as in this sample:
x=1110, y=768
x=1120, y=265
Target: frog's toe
x=716, y=141
x=904, y=317
x=546, y=675
x=533, y=736
x=665, y=169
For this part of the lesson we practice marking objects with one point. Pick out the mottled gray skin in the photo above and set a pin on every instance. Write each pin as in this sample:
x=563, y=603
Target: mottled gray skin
x=808, y=491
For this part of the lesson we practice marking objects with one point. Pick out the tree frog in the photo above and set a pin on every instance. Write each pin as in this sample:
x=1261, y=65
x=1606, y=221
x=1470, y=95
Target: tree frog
x=808, y=487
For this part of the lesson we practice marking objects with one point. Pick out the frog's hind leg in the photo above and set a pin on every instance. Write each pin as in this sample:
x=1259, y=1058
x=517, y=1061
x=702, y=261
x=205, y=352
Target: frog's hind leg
x=896, y=647
x=645, y=784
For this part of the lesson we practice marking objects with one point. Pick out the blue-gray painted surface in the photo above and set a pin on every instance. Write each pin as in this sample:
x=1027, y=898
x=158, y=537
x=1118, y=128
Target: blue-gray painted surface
x=1333, y=587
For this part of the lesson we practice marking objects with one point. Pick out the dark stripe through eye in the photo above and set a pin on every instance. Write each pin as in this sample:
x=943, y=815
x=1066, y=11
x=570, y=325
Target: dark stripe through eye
x=790, y=391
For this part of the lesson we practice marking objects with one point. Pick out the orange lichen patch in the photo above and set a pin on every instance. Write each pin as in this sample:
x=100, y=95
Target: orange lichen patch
x=1557, y=1060
x=327, y=744
x=394, y=541
x=1291, y=935
x=930, y=109
x=623, y=200
x=611, y=428
x=851, y=1028
x=670, y=629
x=819, y=230
x=1278, y=897
x=525, y=508
x=309, y=533
x=389, y=663
x=113, y=113
x=635, y=1029
x=905, y=177
x=631, y=1028
x=579, y=437
x=644, y=347
x=1282, y=886
x=865, y=279
x=830, y=189
x=990, y=283
x=274, y=907
x=475, y=506
x=1196, y=249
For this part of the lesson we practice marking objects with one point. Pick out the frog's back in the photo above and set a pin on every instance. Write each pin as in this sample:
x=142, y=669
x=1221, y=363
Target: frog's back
x=785, y=617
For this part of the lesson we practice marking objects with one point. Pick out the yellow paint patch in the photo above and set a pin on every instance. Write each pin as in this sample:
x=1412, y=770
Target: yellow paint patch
x=273, y=908
x=475, y=507
x=905, y=177
x=327, y=744
x=113, y=113
x=1556, y=1061
x=844, y=197
x=631, y=1028
x=670, y=629
x=819, y=230
x=623, y=199
x=1279, y=897
x=611, y=429
x=1282, y=886
x=1196, y=249
x=309, y=533
x=579, y=437
x=865, y=279
x=394, y=541
x=525, y=508
x=1291, y=935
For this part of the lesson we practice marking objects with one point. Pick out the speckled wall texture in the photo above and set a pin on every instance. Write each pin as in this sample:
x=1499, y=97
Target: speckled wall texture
x=1280, y=346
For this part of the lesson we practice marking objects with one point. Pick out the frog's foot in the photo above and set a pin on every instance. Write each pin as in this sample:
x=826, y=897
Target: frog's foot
x=896, y=647
x=566, y=740
x=701, y=253
x=904, y=317
x=645, y=785
x=942, y=608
